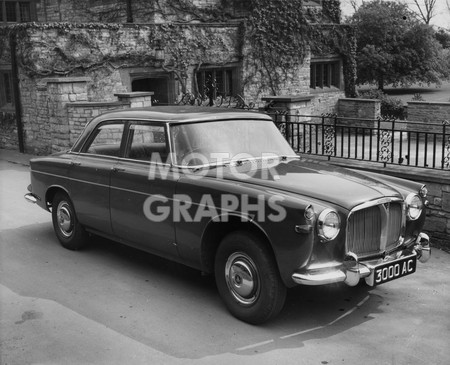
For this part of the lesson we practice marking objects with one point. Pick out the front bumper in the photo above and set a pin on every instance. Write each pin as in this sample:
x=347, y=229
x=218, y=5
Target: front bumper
x=351, y=271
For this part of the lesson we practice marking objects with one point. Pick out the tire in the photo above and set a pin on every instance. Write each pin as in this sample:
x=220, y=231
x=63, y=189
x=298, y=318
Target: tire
x=68, y=230
x=259, y=298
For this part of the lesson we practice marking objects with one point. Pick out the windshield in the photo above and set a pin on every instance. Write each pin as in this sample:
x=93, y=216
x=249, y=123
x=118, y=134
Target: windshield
x=219, y=142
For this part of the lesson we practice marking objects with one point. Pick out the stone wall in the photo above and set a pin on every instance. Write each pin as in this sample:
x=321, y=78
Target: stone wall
x=55, y=115
x=438, y=222
x=44, y=115
x=297, y=79
x=359, y=108
x=80, y=113
x=423, y=111
x=326, y=102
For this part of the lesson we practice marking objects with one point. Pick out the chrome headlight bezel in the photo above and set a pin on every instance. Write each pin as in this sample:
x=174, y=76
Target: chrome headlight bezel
x=328, y=224
x=414, y=206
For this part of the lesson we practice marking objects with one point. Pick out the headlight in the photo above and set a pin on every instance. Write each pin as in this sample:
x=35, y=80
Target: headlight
x=328, y=224
x=414, y=206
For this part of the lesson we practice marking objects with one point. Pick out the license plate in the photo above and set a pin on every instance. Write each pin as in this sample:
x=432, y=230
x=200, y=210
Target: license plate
x=393, y=270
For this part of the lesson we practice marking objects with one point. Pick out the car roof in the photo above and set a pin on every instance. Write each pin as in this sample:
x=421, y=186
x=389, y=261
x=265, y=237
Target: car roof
x=180, y=114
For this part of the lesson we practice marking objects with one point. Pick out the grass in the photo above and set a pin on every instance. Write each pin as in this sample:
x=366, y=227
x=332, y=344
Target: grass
x=429, y=93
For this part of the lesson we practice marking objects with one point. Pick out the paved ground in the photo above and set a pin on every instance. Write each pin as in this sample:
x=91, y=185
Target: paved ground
x=110, y=304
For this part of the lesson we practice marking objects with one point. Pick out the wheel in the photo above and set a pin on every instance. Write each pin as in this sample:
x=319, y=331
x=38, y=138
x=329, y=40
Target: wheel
x=68, y=230
x=247, y=278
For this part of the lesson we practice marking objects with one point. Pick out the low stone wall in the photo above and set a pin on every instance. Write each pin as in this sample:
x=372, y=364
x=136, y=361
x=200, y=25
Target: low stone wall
x=423, y=111
x=55, y=117
x=326, y=101
x=80, y=113
x=359, y=108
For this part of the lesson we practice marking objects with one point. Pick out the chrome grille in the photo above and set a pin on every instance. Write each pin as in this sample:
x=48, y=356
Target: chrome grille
x=394, y=228
x=375, y=229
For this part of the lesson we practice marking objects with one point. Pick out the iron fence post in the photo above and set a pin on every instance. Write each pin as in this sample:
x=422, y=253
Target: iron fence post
x=323, y=134
x=335, y=135
x=445, y=146
x=392, y=139
x=378, y=138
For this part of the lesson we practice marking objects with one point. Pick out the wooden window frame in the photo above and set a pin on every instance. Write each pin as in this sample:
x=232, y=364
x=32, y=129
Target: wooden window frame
x=228, y=76
x=18, y=11
x=326, y=74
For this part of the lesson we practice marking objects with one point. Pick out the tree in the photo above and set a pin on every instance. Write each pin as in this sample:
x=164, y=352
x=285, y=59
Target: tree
x=426, y=9
x=394, y=47
x=443, y=37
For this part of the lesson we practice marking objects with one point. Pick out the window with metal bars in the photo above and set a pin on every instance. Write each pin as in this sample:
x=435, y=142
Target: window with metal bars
x=17, y=11
x=216, y=82
x=325, y=74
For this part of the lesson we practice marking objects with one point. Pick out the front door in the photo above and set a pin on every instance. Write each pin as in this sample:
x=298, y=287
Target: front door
x=90, y=176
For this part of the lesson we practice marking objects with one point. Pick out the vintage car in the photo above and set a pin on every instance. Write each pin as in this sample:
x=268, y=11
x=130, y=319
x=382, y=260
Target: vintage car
x=221, y=190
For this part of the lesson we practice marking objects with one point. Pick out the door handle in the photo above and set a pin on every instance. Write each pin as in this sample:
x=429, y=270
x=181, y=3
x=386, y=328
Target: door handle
x=117, y=169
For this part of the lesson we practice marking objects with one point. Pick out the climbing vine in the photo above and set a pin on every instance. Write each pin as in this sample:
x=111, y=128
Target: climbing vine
x=275, y=37
x=283, y=32
x=332, y=10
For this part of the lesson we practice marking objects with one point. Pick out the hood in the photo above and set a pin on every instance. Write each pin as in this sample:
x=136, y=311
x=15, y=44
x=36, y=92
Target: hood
x=317, y=180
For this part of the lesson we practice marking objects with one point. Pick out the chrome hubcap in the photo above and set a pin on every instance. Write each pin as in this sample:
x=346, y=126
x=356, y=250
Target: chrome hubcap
x=65, y=220
x=242, y=278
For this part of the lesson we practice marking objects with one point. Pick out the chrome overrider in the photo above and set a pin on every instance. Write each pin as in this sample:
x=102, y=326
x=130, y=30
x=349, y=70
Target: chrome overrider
x=31, y=198
x=352, y=270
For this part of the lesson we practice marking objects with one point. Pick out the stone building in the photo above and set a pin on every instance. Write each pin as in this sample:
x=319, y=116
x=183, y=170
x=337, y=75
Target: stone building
x=56, y=53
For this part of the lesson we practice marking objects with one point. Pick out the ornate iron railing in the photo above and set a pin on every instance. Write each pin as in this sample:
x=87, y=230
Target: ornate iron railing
x=237, y=101
x=384, y=140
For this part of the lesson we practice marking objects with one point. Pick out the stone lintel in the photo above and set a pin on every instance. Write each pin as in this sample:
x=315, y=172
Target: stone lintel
x=135, y=94
x=61, y=80
x=89, y=104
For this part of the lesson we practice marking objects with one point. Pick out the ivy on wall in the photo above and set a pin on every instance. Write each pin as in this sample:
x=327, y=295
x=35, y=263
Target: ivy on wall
x=278, y=35
x=283, y=32
x=332, y=10
x=276, y=32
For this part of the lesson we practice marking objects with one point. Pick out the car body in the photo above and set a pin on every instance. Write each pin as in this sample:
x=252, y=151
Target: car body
x=220, y=190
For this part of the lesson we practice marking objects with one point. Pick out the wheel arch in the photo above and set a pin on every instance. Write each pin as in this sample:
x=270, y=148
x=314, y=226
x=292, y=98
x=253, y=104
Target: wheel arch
x=51, y=192
x=216, y=230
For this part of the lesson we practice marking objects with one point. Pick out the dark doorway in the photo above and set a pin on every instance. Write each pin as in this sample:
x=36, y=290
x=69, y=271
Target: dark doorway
x=159, y=86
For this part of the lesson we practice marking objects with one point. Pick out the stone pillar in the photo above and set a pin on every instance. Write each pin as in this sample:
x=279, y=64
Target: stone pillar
x=291, y=104
x=290, y=108
x=359, y=108
x=47, y=126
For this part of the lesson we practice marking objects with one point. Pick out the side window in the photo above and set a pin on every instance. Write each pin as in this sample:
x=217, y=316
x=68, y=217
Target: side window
x=148, y=143
x=107, y=140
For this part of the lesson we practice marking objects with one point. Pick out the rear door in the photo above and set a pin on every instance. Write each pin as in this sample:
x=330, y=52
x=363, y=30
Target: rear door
x=142, y=188
x=91, y=174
